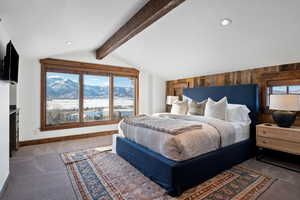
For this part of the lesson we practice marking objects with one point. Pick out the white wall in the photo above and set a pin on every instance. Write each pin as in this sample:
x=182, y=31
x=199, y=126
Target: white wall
x=158, y=95
x=152, y=95
x=4, y=117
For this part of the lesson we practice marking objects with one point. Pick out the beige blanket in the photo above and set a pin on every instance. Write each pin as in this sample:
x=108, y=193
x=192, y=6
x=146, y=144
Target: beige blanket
x=165, y=125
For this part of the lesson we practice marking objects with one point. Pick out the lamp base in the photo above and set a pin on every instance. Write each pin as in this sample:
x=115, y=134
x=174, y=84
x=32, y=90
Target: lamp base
x=284, y=118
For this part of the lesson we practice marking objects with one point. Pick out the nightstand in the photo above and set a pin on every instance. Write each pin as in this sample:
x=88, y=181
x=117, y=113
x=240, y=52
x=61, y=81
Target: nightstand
x=270, y=136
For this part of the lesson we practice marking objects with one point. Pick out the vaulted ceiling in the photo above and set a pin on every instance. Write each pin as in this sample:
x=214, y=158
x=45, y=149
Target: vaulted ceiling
x=188, y=41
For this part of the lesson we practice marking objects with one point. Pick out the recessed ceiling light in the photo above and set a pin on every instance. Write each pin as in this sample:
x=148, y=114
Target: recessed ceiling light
x=68, y=42
x=225, y=22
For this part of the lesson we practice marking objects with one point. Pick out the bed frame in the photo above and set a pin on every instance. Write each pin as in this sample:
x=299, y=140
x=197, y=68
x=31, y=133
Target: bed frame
x=177, y=176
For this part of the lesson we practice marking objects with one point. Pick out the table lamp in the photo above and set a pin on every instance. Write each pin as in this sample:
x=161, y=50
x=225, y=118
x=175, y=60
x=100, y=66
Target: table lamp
x=285, y=107
x=171, y=99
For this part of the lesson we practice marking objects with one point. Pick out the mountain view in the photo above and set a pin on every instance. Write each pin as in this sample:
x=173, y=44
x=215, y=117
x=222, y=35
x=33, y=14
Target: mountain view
x=63, y=102
x=60, y=88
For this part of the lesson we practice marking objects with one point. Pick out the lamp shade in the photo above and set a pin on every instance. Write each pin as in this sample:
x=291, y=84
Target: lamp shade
x=285, y=102
x=171, y=99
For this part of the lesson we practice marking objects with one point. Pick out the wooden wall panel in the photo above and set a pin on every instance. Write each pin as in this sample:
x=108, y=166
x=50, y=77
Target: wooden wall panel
x=260, y=76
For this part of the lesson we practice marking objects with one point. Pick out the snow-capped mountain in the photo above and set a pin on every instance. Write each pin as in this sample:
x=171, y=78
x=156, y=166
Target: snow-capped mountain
x=59, y=88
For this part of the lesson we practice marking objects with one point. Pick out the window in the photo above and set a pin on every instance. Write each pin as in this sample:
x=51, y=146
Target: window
x=294, y=89
x=79, y=94
x=62, y=98
x=96, y=98
x=279, y=89
x=124, y=98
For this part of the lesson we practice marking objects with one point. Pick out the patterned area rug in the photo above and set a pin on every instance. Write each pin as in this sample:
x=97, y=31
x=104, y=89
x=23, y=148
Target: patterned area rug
x=99, y=174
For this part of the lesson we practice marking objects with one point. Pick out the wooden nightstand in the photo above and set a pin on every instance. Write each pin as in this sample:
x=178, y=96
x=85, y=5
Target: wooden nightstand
x=277, y=138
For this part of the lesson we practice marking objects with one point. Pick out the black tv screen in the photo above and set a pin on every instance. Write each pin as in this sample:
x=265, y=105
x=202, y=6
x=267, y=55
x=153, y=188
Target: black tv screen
x=11, y=64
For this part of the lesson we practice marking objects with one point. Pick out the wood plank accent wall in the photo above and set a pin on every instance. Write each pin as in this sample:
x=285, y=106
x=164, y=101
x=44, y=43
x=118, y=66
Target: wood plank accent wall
x=288, y=74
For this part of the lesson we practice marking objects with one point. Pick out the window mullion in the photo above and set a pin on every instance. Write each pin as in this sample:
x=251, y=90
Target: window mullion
x=271, y=90
x=81, y=90
x=136, y=93
x=111, y=96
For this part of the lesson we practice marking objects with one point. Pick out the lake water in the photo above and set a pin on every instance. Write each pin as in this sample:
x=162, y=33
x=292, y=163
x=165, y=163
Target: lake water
x=88, y=103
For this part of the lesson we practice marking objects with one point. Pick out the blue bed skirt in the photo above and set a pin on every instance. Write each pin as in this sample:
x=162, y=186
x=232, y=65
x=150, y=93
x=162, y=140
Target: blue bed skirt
x=176, y=177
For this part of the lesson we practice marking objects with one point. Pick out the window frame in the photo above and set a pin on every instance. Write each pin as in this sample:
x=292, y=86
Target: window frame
x=72, y=67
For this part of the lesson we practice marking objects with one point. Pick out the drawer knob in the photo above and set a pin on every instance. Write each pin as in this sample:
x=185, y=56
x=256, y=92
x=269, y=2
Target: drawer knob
x=264, y=132
x=264, y=141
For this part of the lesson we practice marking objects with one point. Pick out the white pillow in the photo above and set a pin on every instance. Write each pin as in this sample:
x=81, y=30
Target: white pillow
x=187, y=99
x=216, y=109
x=237, y=113
x=179, y=108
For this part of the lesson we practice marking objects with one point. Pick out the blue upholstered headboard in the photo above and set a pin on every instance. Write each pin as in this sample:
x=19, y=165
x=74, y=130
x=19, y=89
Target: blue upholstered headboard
x=236, y=94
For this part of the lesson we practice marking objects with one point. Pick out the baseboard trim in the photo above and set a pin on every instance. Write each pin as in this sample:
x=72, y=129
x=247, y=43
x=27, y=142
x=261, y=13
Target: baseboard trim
x=64, y=138
x=5, y=185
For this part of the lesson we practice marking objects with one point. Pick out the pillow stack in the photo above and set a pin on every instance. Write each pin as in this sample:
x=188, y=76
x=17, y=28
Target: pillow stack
x=210, y=108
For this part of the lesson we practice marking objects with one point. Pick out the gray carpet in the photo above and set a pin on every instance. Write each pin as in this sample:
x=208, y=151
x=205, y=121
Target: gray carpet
x=37, y=173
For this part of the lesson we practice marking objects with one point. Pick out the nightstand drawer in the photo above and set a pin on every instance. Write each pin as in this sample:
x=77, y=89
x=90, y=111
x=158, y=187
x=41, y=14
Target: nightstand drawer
x=280, y=145
x=278, y=133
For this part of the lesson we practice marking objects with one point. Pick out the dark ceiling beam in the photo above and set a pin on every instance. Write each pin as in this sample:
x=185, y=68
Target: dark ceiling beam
x=152, y=11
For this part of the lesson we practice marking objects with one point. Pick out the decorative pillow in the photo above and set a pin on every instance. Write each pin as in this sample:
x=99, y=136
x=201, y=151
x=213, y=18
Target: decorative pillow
x=216, y=109
x=179, y=107
x=187, y=99
x=196, y=108
x=237, y=113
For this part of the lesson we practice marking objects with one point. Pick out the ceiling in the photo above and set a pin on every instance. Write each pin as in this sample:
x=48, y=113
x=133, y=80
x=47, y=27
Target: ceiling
x=188, y=41
x=41, y=28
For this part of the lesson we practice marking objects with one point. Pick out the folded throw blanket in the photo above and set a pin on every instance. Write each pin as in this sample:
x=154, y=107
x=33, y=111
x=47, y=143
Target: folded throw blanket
x=162, y=124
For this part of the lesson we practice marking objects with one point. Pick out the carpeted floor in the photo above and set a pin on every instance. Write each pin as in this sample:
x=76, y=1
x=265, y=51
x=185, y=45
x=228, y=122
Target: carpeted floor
x=38, y=173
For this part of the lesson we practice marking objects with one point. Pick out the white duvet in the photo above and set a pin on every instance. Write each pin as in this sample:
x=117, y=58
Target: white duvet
x=213, y=135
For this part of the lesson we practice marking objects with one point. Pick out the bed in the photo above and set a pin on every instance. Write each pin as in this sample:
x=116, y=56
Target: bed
x=177, y=176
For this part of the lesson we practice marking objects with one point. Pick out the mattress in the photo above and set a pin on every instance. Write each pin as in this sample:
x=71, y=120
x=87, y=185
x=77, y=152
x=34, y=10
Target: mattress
x=213, y=135
x=242, y=131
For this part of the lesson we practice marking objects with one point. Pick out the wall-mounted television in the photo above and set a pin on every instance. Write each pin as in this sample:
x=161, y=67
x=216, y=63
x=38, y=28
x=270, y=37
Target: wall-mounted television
x=10, y=65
